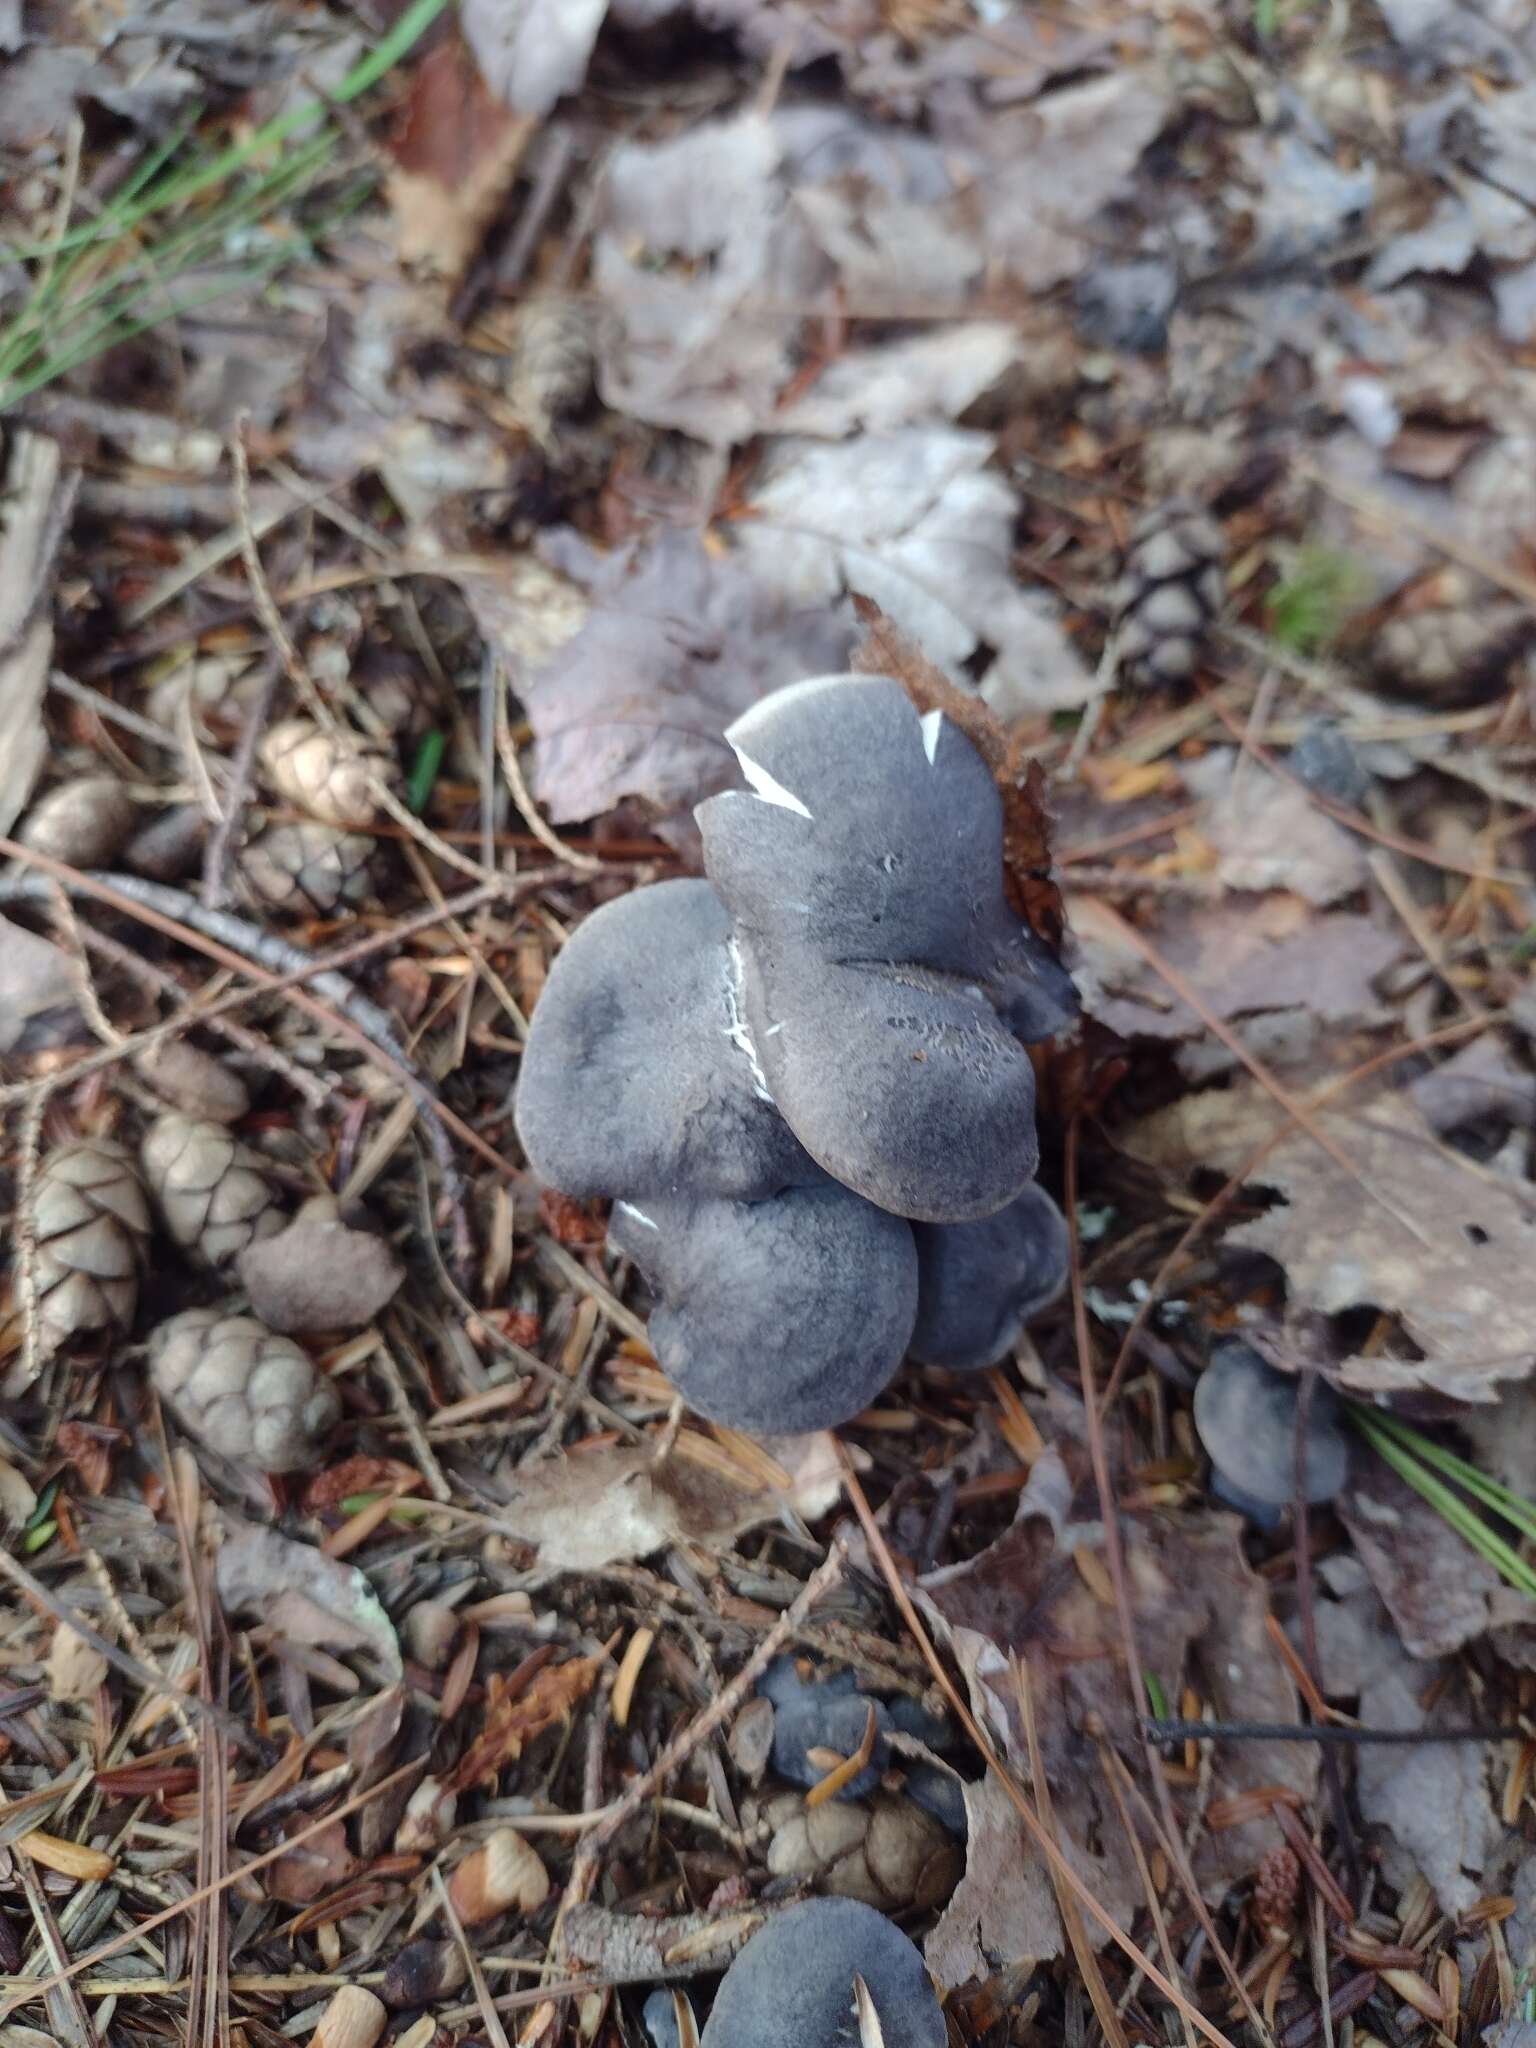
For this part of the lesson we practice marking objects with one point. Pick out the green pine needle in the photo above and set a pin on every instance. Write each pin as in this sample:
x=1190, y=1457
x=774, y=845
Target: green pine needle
x=115, y=276
x=1308, y=606
x=1415, y=1458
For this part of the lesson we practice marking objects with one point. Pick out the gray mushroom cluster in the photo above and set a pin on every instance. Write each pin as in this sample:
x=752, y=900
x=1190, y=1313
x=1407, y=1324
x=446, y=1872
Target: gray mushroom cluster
x=804, y=1081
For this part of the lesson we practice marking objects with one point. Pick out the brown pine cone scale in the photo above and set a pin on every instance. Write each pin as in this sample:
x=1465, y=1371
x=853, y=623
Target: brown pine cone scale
x=1171, y=589
x=244, y=1391
x=91, y=1224
x=209, y=1188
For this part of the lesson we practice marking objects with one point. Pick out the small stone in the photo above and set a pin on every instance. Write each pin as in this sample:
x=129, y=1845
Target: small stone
x=83, y=823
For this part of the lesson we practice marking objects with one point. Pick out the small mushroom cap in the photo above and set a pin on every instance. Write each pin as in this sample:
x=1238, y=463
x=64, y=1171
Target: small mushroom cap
x=778, y=1316
x=829, y=1713
x=793, y=1983
x=979, y=1284
x=884, y=977
x=632, y=1081
x=1245, y=1412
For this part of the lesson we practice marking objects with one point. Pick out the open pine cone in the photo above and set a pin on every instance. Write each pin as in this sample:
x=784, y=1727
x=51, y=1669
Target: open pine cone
x=249, y=1394
x=91, y=1223
x=309, y=867
x=1171, y=589
x=210, y=1188
x=321, y=773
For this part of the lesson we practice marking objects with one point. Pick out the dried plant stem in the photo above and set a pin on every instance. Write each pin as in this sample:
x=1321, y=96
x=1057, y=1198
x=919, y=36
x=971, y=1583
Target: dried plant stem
x=134, y=1935
x=681, y=1747
x=155, y=979
x=219, y=851
x=528, y=810
x=304, y=683
x=1114, y=1558
x=25, y=1232
x=1038, y=1833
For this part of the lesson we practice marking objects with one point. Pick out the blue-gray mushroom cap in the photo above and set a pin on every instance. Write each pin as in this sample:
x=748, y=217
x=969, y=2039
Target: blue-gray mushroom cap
x=792, y=1986
x=777, y=1316
x=1245, y=1415
x=884, y=980
x=633, y=1078
x=979, y=1284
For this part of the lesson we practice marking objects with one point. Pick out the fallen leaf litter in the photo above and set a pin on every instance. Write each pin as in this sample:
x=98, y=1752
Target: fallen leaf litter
x=389, y=1649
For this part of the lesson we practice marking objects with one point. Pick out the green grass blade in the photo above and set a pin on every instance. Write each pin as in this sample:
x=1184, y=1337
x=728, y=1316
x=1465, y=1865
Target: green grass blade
x=191, y=179
x=194, y=178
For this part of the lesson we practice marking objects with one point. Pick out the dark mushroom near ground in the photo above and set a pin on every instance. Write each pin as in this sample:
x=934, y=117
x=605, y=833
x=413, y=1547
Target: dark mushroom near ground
x=798, y=1981
x=863, y=872
x=821, y=1714
x=778, y=1316
x=979, y=1284
x=635, y=1079
x=1245, y=1413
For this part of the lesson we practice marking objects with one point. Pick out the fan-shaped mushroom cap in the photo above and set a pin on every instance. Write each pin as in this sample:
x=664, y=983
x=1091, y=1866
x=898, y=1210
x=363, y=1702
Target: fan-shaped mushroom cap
x=777, y=1316
x=634, y=1078
x=883, y=976
x=979, y=1284
x=793, y=1983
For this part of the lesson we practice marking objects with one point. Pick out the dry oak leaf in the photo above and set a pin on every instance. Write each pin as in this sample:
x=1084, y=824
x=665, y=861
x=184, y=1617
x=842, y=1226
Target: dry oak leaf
x=1424, y=1233
x=456, y=151
x=513, y=1720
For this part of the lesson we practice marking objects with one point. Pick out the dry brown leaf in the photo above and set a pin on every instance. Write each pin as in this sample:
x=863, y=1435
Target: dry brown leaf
x=677, y=642
x=456, y=150
x=318, y=1865
x=616, y=1503
x=1436, y=1587
x=75, y=1670
x=1448, y=1247
x=1201, y=1612
x=1247, y=960
x=1432, y=1802
x=512, y=1721
x=299, y=1592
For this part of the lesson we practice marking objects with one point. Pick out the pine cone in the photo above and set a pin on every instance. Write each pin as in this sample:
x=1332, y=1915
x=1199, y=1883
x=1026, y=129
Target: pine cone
x=1457, y=651
x=322, y=773
x=84, y=822
x=1171, y=589
x=1276, y=1888
x=250, y=1395
x=889, y=1853
x=92, y=1225
x=309, y=867
x=210, y=1188
x=552, y=365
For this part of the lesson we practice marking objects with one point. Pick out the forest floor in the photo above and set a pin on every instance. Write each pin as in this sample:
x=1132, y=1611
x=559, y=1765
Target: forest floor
x=516, y=393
